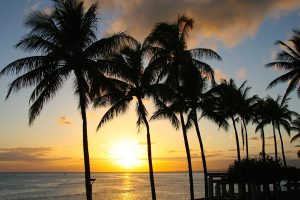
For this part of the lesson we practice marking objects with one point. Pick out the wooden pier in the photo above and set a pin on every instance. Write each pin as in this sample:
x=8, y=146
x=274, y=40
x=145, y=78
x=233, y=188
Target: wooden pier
x=221, y=188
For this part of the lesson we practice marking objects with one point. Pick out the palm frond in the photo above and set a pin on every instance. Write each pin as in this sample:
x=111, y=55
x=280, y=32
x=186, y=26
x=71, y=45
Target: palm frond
x=118, y=108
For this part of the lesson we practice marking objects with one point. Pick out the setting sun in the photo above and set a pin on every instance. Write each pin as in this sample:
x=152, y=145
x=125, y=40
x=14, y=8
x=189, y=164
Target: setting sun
x=126, y=153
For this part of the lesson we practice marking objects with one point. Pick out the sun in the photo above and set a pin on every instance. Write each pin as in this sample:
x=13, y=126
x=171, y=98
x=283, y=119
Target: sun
x=126, y=153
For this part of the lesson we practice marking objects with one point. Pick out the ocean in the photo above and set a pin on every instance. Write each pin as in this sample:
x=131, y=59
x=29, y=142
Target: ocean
x=108, y=186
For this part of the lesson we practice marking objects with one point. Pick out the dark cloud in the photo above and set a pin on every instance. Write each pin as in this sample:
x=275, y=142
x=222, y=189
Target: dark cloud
x=227, y=21
x=27, y=154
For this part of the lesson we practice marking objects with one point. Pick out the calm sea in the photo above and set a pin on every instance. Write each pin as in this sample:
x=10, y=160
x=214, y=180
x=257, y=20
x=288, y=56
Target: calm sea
x=108, y=186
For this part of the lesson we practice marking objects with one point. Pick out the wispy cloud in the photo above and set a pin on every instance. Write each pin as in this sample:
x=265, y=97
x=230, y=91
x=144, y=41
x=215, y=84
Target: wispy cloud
x=220, y=75
x=254, y=138
x=26, y=154
x=145, y=143
x=241, y=73
x=64, y=121
x=35, y=5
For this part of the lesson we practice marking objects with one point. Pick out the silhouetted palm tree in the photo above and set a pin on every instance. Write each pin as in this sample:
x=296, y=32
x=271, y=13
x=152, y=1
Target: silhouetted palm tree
x=246, y=111
x=278, y=115
x=172, y=61
x=296, y=127
x=200, y=100
x=136, y=85
x=260, y=116
x=288, y=60
x=228, y=104
x=67, y=45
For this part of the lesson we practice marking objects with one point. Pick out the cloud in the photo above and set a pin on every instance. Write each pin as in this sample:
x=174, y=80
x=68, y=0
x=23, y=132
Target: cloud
x=241, y=73
x=27, y=154
x=212, y=155
x=48, y=11
x=269, y=138
x=254, y=138
x=177, y=151
x=145, y=143
x=273, y=54
x=231, y=149
x=64, y=121
x=219, y=75
x=227, y=21
x=35, y=5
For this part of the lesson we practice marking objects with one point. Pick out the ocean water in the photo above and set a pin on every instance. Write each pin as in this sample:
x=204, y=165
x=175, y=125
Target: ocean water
x=108, y=186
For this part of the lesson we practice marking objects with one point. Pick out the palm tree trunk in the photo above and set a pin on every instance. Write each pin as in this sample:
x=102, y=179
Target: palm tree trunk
x=202, y=154
x=263, y=144
x=149, y=155
x=187, y=150
x=237, y=140
x=85, y=151
x=275, y=142
x=87, y=172
x=246, y=135
x=282, y=148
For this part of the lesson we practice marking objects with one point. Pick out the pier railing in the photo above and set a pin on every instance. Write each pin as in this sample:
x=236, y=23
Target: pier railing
x=220, y=187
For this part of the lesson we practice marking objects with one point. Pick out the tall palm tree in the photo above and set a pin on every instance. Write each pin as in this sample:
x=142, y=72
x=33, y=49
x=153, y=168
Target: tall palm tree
x=228, y=104
x=67, y=45
x=296, y=127
x=172, y=61
x=279, y=115
x=288, y=60
x=259, y=117
x=246, y=111
x=168, y=110
x=199, y=100
x=136, y=84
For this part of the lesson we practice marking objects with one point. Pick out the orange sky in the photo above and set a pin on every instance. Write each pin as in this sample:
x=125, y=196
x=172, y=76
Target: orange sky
x=242, y=32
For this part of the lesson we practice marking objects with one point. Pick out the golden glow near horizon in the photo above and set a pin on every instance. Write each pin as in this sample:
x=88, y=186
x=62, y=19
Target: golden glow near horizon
x=126, y=153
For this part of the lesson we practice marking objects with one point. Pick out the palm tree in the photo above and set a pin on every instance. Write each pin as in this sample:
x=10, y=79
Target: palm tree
x=172, y=61
x=136, y=84
x=246, y=111
x=288, y=60
x=279, y=115
x=296, y=127
x=228, y=104
x=68, y=46
x=259, y=117
x=199, y=100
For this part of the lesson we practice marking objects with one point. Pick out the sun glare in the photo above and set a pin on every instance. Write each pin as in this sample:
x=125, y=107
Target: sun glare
x=126, y=153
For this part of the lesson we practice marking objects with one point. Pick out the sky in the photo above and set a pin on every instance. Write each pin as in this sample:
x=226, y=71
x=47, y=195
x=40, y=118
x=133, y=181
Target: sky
x=243, y=33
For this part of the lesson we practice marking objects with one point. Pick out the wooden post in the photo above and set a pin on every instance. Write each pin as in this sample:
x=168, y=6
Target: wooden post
x=92, y=180
x=231, y=191
x=210, y=188
x=218, y=190
x=224, y=191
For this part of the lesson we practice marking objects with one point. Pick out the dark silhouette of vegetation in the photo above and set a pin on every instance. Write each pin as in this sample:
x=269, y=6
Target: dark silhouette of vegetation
x=136, y=84
x=296, y=127
x=246, y=111
x=112, y=72
x=278, y=115
x=228, y=104
x=67, y=46
x=288, y=60
x=260, y=114
x=173, y=62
